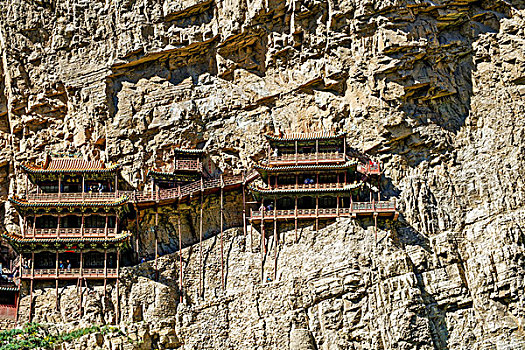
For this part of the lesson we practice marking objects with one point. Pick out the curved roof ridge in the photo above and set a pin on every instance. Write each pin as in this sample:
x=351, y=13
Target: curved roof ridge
x=321, y=135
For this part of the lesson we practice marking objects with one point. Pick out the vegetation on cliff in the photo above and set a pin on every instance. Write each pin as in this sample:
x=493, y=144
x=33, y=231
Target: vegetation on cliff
x=38, y=336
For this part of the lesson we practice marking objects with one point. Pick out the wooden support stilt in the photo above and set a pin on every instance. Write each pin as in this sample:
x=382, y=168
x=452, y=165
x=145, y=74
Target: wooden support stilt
x=263, y=246
x=375, y=226
x=117, y=287
x=201, y=268
x=275, y=236
x=80, y=283
x=56, y=293
x=31, y=286
x=263, y=235
x=295, y=217
x=105, y=271
x=316, y=213
x=31, y=300
x=251, y=235
x=244, y=207
x=276, y=245
x=180, y=254
x=79, y=291
x=222, y=232
x=156, y=243
x=56, y=280
x=137, y=233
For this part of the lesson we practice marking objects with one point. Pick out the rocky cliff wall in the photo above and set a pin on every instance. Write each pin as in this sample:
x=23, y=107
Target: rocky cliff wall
x=435, y=90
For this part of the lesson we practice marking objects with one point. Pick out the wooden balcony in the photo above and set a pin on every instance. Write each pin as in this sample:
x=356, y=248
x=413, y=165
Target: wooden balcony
x=307, y=159
x=186, y=190
x=75, y=232
x=188, y=165
x=318, y=186
x=45, y=274
x=386, y=208
x=104, y=197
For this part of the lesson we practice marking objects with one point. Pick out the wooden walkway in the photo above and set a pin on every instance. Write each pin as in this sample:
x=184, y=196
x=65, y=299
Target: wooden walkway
x=144, y=198
x=384, y=208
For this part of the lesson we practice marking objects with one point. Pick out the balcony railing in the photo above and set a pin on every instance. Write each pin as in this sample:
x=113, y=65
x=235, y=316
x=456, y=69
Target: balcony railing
x=307, y=158
x=387, y=207
x=73, y=197
x=70, y=232
x=186, y=190
x=307, y=186
x=188, y=165
x=71, y=273
x=138, y=196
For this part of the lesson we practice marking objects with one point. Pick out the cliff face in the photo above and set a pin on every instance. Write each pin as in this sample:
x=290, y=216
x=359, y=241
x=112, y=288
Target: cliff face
x=435, y=90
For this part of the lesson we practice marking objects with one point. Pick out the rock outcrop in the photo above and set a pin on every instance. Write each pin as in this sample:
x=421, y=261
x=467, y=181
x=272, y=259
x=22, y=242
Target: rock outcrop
x=433, y=89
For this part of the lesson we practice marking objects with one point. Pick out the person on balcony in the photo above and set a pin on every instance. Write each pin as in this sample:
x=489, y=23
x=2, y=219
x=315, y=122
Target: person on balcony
x=68, y=266
x=100, y=188
x=61, y=265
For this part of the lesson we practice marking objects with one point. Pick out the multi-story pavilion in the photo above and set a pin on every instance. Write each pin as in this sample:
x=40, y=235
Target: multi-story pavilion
x=310, y=177
x=70, y=216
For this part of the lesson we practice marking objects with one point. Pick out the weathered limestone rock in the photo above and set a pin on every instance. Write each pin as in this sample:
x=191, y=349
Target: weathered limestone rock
x=433, y=89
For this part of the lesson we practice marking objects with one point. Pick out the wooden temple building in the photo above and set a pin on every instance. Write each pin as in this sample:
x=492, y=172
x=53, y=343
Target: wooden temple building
x=71, y=210
x=309, y=177
x=187, y=167
x=70, y=215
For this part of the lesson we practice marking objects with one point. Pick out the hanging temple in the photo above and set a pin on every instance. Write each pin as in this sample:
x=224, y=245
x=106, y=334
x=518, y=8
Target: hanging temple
x=71, y=210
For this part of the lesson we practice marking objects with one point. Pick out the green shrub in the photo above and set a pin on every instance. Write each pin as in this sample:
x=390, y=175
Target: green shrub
x=37, y=336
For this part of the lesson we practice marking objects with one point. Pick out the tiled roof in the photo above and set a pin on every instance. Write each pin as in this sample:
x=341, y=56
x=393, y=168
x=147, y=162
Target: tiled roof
x=306, y=167
x=24, y=203
x=188, y=150
x=19, y=239
x=9, y=289
x=306, y=136
x=69, y=165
